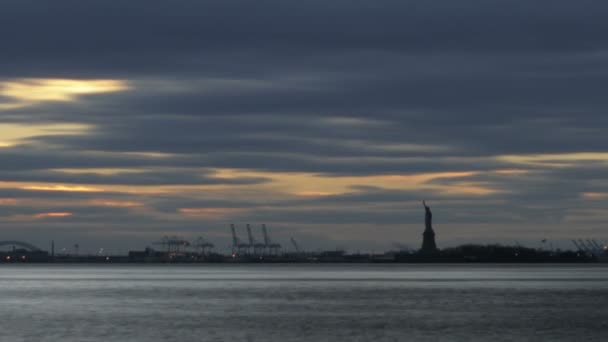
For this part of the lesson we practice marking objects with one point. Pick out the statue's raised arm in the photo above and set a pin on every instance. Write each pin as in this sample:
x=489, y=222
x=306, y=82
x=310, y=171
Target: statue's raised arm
x=424, y=204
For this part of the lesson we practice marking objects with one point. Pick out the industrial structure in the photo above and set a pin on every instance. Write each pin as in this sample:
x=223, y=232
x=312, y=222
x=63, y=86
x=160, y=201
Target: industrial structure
x=253, y=247
x=238, y=247
x=203, y=246
x=172, y=244
x=591, y=247
x=295, y=245
x=271, y=248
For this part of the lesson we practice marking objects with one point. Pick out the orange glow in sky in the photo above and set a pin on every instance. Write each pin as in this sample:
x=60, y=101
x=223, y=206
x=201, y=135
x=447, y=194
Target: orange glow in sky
x=8, y=201
x=594, y=195
x=111, y=203
x=60, y=187
x=52, y=215
x=210, y=212
x=30, y=90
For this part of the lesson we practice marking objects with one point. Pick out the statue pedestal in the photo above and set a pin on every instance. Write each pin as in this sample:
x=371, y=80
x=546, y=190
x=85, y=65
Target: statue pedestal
x=428, y=242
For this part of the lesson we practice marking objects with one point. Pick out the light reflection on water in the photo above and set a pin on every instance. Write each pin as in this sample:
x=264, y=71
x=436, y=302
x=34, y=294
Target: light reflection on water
x=303, y=303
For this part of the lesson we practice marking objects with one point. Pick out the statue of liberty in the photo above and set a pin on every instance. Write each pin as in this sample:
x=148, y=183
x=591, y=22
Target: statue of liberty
x=428, y=237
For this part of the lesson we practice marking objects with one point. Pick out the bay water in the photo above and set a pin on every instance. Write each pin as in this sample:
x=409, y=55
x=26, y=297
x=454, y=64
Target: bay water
x=303, y=302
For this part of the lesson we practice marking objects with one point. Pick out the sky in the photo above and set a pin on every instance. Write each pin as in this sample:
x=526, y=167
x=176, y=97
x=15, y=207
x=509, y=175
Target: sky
x=328, y=121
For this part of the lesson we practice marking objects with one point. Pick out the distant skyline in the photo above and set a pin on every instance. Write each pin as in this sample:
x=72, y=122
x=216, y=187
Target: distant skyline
x=328, y=121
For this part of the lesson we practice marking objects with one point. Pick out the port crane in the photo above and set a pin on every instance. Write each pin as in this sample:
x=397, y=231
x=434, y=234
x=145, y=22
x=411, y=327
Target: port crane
x=596, y=245
x=237, y=246
x=589, y=246
x=257, y=247
x=203, y=246
x=578, y=247
x=295, y=245
x=172, y=244
x=271, y=247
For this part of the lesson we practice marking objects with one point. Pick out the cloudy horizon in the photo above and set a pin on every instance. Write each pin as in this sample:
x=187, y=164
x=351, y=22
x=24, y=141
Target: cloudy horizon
x=329, y=122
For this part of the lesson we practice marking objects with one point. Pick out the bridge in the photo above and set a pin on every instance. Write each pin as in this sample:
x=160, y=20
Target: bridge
x=21, y=244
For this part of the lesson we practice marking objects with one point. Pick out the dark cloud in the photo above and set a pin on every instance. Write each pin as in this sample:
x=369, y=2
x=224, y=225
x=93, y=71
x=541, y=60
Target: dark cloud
x=145, y=36
x=181, y=177
x=341, y=88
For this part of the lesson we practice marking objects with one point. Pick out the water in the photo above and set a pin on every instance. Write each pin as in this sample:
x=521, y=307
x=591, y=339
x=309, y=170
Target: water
x=304, y=303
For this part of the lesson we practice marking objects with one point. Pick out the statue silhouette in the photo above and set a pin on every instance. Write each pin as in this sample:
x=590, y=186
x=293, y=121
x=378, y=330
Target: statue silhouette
x=428, y=237
x=428, y=217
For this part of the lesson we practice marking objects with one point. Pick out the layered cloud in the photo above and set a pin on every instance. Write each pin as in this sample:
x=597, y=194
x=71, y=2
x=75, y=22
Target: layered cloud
x=329, y=122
